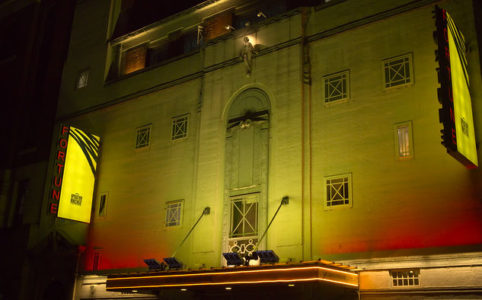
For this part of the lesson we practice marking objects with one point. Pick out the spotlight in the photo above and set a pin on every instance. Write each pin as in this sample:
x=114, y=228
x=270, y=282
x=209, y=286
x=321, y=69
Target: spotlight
x=229, y=27
x=261, y=14
x=267, y=256
x=233, y=259
x=154, y=264
x=172, y=262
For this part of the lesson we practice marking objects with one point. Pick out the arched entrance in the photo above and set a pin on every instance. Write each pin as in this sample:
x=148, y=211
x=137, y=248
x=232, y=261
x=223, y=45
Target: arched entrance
x=246, y=171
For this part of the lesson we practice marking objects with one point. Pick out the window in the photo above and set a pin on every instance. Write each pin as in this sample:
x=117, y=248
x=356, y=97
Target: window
x=173, y=213
x=134, y=59
x=179, y=127
x=338, y=191
x=82, y=79
x=337, y=87
x=398, y=71
x=143, y=138
x=217, y=25
x=244, y=216
x=102, y=205
x=405, y=277
x=403, y=140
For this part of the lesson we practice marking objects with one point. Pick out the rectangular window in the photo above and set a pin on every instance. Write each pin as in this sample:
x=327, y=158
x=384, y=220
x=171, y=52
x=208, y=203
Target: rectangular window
x=217, y=25
x=143, y=137
x=405, y=277
x=398, y=71
x=337, y=87
x=82, y=79
x=134, y=59
x=173, y=213
x=403, y=140
x=244, y=216
x=338, y=191
x=102, y=205
x=179, y=127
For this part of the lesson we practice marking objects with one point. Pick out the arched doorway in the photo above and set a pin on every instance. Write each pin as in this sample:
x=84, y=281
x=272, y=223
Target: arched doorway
x=246, y=171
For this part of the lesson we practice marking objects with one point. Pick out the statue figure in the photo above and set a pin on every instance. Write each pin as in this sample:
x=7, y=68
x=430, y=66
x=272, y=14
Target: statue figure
x=247, y=55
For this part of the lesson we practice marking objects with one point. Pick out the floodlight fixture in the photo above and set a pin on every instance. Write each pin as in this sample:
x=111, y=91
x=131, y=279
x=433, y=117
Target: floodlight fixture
x=267, y=256
x=153, y=264
x=261, y=14
x=233, y=259
x=173, y=263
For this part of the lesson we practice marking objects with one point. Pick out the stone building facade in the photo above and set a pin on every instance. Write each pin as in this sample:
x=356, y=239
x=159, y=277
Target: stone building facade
x=233, y=105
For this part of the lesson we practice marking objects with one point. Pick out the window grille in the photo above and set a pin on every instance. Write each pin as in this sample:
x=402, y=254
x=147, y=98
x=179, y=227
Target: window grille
x=338, y=191
x=83, y=79
x=244, y=216
x=173, y=213
x=103, y=205
x=243, y=246
x=336, y=87
x=404, y=143
x=179, y=127
x=398, y=71
x=143, y=138
x=405, y=277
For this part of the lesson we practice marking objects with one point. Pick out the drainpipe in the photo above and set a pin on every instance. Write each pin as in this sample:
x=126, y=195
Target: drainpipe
x=306, y=151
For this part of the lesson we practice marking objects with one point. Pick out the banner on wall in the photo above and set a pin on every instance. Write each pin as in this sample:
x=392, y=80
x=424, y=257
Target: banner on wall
x=74, y=174
x=458, y=134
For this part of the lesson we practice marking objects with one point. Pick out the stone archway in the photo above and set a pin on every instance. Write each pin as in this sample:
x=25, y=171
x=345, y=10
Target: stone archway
x=246, y=171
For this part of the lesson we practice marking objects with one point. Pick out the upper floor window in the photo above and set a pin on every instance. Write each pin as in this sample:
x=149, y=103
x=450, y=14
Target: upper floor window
x=398, y=71
x=179, y=127
x=403, y=140
x=174, y=213
x=338, y=191
x=143, y=137
x=82, y=79
x=336, y=87
x=134, y=59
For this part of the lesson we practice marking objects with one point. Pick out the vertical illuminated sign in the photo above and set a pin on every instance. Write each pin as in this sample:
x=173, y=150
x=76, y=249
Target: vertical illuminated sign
x=458, y=135
x=74, y=174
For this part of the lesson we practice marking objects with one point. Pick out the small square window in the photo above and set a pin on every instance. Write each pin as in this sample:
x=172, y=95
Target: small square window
x=82, y=79
x=179, y=127
x=403, y=140
x=336, y=87
x=173, y=213
x=398, y=71
x=338, y=191
x=401, y=278
x=143, y=138
x=102, y=205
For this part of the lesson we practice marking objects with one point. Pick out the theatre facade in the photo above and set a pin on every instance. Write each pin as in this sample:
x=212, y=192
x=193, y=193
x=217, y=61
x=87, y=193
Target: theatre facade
x=305, y=150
